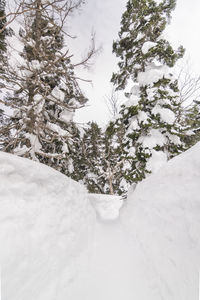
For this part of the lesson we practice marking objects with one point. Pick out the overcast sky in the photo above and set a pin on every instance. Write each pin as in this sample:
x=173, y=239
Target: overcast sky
x=104, y=16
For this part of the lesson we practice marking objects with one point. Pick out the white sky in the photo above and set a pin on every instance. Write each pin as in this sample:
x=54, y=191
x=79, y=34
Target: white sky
x=104, y=16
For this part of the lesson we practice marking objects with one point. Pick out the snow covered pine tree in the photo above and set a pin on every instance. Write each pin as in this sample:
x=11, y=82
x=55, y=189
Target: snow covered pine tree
x=43, y=88
x=97, y=165
x=3, y=46
x=150, y=114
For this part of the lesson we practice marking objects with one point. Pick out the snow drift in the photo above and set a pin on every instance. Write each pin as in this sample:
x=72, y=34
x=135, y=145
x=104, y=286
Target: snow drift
x=45, y=222
x=151, y=252
x=107, y=207
x=163, y=216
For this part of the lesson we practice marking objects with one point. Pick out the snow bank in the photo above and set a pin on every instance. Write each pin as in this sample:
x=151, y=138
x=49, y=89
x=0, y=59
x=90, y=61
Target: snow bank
x=44, y=229
x=163, y=217
x=107, y=207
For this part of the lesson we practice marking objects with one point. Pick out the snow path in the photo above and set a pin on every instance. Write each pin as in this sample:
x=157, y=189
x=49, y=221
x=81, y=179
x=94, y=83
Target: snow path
x=112, y=273
x=53, y=248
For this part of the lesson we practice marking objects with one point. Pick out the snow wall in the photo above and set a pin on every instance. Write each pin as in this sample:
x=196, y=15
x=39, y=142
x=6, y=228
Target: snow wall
x=163, y=216
x=45, y=225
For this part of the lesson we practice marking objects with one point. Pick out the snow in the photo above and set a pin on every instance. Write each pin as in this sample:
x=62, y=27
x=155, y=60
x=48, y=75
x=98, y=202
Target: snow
x=40, y=101
x=147, y=46
x=157, y=160
x=35, y=145
x=152, y=251
x=163, y=215
x=57, y=129
x=35, y=64
x=46, y=222
x=67, y=116
x=133, y=125
x=107, y=207
x=135, y=90
x=52, y=247
x=140, y=36
x=132, y=101
x=166, y=114
x=154, y=138
x=58, y=94
x=174, y=138
x=152, y=74
x=143, y=117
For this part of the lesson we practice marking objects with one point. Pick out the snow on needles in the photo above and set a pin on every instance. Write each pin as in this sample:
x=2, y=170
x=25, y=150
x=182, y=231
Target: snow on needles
x=147, y=46
x=166, y=114
x=152, y=74
x=45, y=222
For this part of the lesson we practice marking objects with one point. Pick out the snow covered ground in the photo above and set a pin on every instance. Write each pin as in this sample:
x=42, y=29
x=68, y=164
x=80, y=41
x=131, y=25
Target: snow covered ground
x=163, y=216
x=153, y=251
x=53, y=248
x=45, y=225
x=107, y=207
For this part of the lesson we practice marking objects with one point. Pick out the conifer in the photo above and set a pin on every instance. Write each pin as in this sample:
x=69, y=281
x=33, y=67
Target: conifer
x=153, y=133
x=45, y=89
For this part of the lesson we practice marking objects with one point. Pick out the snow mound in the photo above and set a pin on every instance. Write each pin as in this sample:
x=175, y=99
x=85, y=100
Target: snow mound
x=107, y=207
x=163, y=216
x=45, y=221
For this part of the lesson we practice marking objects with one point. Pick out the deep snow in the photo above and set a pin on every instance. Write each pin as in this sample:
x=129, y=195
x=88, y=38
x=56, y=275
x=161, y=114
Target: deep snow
x=153, y=251
x=52, y=247
x=45, y=224
x=163, y=216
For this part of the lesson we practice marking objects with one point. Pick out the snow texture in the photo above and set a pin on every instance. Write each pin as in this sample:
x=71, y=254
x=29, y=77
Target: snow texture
x=152, y=74
x=45, y=221
x=151, y=251
x=107, y=207
x=67, y=115
x=166, y=114
x=154, y=138
x=157, y=160
x=147, y=46
x=163, y=216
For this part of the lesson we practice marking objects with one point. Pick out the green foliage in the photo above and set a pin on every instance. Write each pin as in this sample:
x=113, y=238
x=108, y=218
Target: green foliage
x=150, y=117
x=143, y=21
x=2, y=25
x=191, y=122
x=97, y=160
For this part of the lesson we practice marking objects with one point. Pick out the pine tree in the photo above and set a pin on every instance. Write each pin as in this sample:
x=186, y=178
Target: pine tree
x=113, y=162
x=191, y=122
x=46, y=92
x=150, y=114
x=2, y=25
x=92, y=152
x=97, y=162
x=3, y=46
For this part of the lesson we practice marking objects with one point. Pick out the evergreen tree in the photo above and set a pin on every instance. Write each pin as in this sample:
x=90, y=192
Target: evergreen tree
x=46, y=92
x=92, y=152
x=3, y=34
x=2, y=25
x=113, y=163
x=77, y=164
x=97, y=162
x=150, y=114
x=191, y=122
